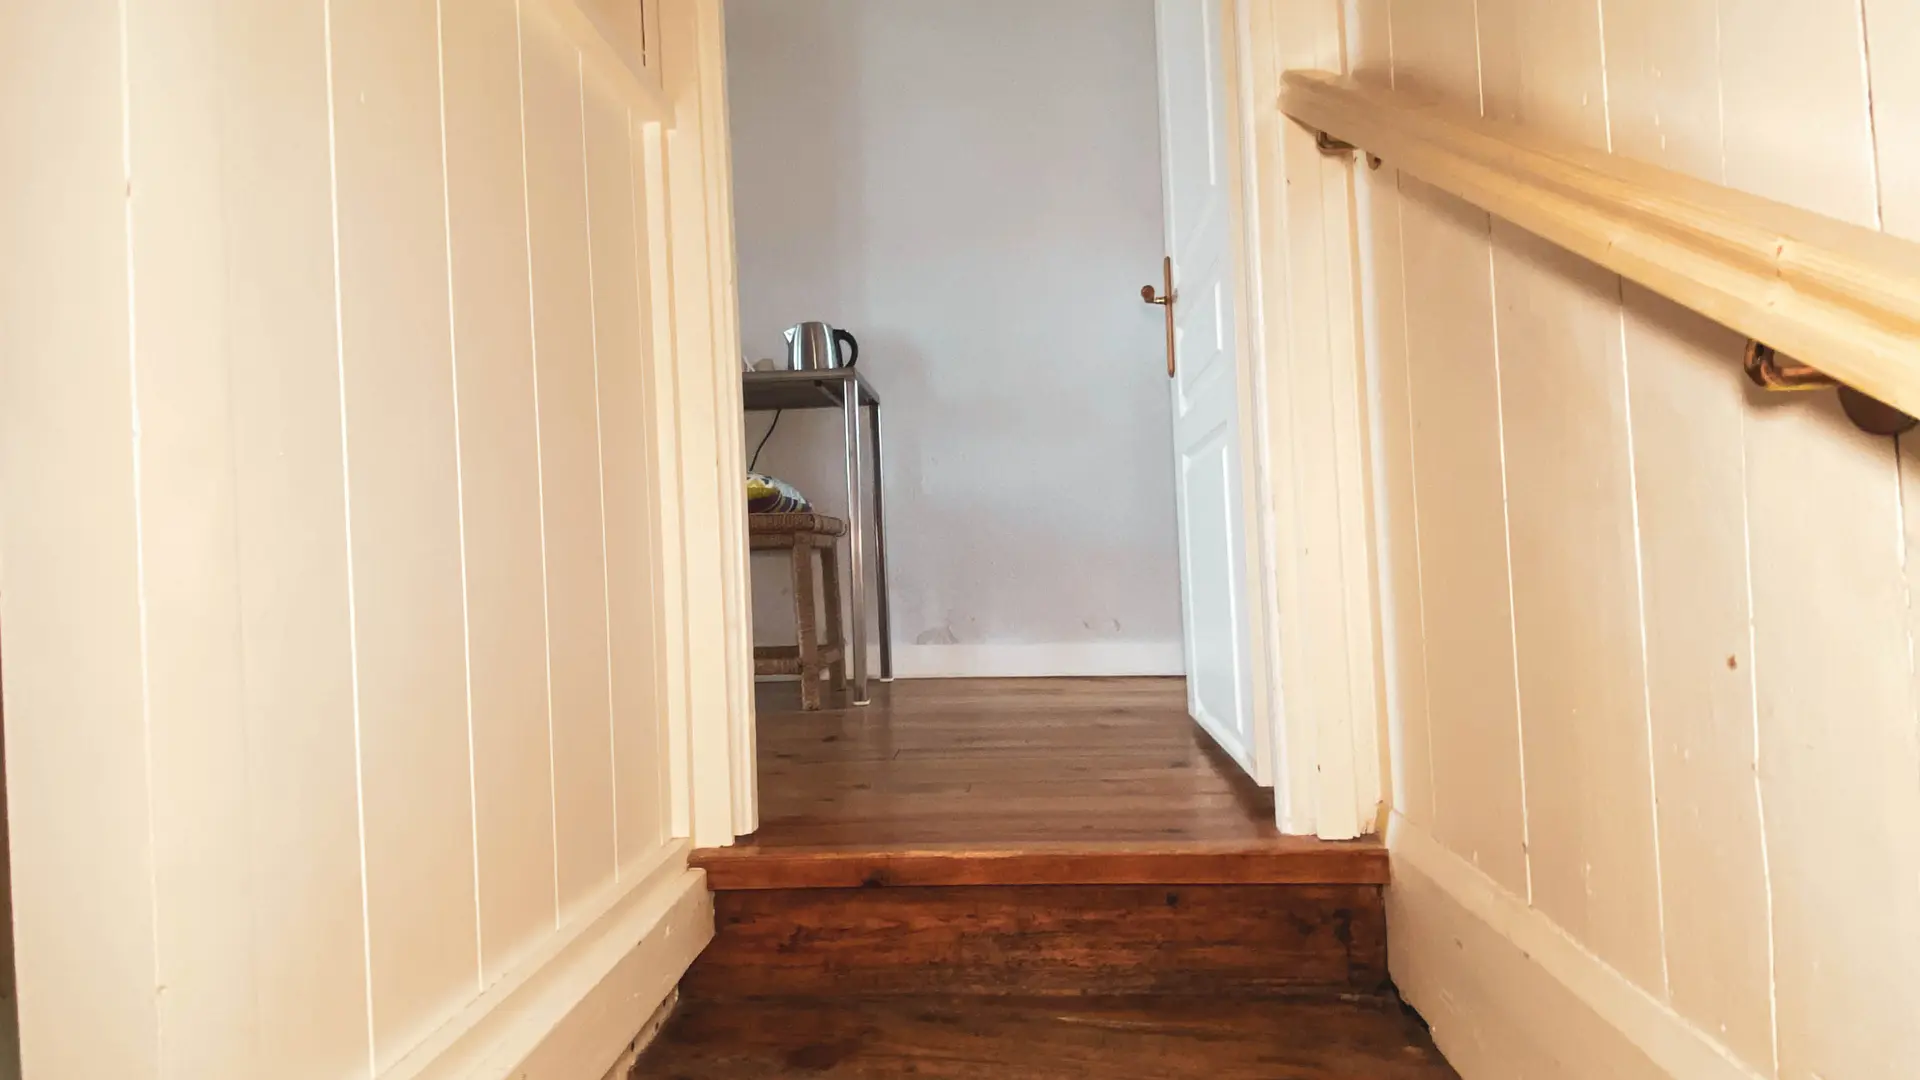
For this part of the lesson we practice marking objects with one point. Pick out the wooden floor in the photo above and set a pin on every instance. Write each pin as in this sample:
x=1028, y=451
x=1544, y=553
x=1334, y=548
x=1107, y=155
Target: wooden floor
x=1012, y=781
x=948, y=1038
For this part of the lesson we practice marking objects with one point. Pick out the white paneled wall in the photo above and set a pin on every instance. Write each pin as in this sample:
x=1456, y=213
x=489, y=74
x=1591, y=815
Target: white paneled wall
x=336, y=527
x=1652, y=682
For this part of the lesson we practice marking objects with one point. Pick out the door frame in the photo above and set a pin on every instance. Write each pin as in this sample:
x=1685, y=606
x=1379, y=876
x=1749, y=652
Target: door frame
x=1311, y=480
x=706, y=636
x=1304, y=433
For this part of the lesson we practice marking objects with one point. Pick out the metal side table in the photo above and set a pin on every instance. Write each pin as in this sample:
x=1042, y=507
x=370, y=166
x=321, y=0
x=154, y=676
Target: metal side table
x=847, y=390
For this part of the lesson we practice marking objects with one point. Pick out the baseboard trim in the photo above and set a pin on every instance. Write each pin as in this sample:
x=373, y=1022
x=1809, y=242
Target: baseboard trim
x=1061, y=659
x=570, y=1011
x=1508, y=992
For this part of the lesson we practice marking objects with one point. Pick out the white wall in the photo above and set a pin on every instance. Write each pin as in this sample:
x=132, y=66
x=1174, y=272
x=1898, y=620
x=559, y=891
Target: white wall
x=972, y=188
x=331, y=533
x=1656, y=761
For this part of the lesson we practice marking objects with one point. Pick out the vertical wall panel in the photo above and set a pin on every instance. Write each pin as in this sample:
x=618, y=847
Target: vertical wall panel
x=1540, y=65
x=1838, y=763
x=397, y=369
x=1892, y=34
x=702, y=570
x=1435, y=50
x=1799, y=132
x=76, y=740
x=663, y=387
x=1571, y=519
x=1383, y=298
x=233, y=429
x=625, y=349
x=1326, y=673
x=1265, y=137
x=1688, y=407
x=569, y=460
x=303, y=825
x=198, y=741
x=717, y=148
x=1576, y=602
x=1459, y=491
x=500, y=478
x=1663, y=83
x=1475, y=728
x=1893, y=29
x=1779, y=688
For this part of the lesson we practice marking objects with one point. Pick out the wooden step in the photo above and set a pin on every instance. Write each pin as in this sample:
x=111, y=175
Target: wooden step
x=1046, y=940
x=1276, y=861
x=1055, y=838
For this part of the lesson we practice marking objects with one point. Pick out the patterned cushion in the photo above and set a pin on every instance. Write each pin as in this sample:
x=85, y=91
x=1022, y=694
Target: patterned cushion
x=767, y=495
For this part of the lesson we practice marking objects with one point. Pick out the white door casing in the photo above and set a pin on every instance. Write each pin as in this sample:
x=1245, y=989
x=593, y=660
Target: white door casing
x=1200, y=222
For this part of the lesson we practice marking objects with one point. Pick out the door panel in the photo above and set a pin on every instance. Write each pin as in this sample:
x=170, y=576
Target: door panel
x=1205, y=387
x=1214, y=683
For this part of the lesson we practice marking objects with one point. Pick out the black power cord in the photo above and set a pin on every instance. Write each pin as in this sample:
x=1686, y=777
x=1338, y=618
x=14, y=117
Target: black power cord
x=754, y=465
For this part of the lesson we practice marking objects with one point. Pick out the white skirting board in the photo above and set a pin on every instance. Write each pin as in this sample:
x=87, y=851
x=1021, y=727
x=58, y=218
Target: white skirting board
x=1509, y=993
x=573, y=1009
x=1064, y=659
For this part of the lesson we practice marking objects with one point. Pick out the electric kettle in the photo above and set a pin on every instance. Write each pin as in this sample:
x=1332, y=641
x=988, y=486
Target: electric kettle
x=815, y=346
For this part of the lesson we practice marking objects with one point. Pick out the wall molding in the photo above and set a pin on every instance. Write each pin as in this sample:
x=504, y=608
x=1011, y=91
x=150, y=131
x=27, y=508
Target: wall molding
x=1084, y=659
x=570, y=1010
x=1503, y=985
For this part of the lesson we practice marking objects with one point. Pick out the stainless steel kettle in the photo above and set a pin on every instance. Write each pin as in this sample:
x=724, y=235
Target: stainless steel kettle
x=815, y=346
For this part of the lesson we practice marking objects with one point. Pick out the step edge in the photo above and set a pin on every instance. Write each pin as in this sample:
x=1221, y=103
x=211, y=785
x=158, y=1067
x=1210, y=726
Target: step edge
x=748, y=868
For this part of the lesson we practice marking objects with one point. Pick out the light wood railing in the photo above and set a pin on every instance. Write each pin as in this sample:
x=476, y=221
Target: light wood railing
x=1841, y=299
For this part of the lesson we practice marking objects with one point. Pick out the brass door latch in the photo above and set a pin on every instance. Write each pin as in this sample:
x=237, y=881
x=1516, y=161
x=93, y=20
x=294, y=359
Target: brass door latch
x=1165, y=300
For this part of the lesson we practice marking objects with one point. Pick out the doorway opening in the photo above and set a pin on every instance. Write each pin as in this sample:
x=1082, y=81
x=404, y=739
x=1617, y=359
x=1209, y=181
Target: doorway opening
x=1061, y=534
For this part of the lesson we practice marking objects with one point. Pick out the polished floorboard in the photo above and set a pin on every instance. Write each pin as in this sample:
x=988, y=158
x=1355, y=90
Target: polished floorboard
x=1000, y=760
x=1012, y=781
x=999, y=1038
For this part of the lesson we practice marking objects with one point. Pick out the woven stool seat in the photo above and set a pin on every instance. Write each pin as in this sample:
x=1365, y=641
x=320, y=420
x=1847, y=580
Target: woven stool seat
x=775, y=524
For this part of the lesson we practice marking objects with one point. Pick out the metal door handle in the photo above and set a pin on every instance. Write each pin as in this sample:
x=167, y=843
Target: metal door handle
x=1166, y=301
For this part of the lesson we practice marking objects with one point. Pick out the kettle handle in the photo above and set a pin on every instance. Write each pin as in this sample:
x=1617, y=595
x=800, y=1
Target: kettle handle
x=853, y=346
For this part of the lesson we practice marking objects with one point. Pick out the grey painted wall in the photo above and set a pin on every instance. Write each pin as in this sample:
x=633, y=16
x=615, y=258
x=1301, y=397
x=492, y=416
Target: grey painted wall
x=972, y=187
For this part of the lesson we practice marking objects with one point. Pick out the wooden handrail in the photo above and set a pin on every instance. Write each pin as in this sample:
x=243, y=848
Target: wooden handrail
x=1838, y=297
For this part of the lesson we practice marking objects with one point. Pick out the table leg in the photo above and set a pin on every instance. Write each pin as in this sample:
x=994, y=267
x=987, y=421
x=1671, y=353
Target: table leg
x=856, y=542
x=880, y=553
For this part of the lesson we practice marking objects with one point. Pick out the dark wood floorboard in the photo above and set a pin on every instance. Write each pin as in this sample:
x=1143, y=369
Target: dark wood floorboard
x=999, y=760
x=943, y=1038
x=1209, y=941
x=1012, y=781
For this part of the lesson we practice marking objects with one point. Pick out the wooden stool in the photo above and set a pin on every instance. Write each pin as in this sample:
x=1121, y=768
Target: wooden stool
x=804, y=535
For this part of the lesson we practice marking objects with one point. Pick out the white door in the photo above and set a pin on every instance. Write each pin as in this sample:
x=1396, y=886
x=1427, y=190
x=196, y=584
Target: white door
x=1206, y=410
